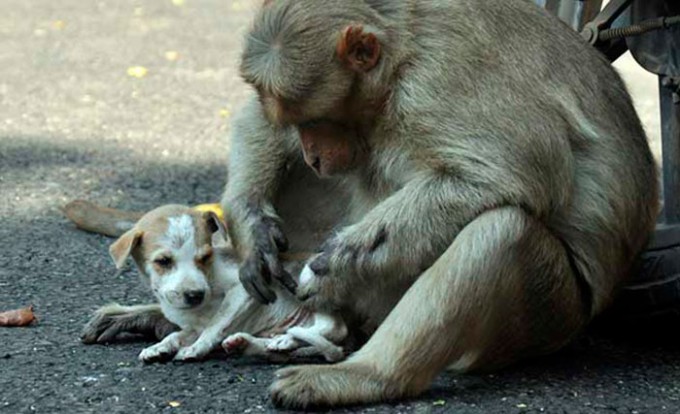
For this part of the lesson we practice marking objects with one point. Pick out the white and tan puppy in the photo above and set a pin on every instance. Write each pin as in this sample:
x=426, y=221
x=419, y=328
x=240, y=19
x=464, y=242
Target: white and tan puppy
x=183, y=255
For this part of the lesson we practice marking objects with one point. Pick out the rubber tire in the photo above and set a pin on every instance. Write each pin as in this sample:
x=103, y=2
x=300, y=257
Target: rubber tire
x=654, y=289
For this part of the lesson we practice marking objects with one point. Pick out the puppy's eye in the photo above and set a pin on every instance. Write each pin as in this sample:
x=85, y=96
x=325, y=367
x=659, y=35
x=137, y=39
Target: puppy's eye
x=163, y=261
x=205, y=258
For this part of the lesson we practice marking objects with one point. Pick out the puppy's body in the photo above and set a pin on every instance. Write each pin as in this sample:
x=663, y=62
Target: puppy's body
x=195, y=280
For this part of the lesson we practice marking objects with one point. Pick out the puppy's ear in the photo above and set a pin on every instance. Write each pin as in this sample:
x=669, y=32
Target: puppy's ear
x=215, y=224
x=121, y=249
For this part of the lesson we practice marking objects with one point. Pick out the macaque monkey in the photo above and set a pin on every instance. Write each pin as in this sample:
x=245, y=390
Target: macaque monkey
x=501, y=188
x=505, y=189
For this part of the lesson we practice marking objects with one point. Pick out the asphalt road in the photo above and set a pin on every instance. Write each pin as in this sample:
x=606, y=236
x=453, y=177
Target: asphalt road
x=75, y=124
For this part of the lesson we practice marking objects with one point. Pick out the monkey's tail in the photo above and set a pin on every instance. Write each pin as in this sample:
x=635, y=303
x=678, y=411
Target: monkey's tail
x=101, y=220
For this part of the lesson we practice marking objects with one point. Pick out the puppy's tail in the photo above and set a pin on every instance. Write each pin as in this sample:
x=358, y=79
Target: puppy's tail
x=101, y=220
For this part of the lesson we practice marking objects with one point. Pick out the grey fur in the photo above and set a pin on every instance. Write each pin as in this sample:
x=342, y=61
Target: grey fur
x=490, y=105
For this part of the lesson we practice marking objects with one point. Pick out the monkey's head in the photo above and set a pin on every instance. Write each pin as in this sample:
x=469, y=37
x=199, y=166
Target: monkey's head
x=319, y=65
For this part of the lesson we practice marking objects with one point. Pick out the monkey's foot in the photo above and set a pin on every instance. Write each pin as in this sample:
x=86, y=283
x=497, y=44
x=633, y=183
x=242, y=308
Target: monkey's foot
x=329, y=385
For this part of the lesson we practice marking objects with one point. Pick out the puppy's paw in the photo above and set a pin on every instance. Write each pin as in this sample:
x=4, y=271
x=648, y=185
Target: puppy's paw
x=156, y=353
x=236, y=343
x=282, y=343
x=195, y=352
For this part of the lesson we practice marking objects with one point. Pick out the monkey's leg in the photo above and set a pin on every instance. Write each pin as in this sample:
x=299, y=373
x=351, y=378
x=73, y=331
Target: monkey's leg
x=503, y=290
x=392, y=244
x=111, y=320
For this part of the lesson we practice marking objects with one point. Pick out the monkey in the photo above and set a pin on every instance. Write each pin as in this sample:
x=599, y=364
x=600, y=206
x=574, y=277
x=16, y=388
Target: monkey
x=503, y=187
x=507, y=186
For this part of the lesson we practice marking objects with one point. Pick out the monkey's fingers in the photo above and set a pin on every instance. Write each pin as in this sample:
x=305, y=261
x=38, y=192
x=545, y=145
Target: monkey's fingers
x=260, y=292
x=288, y=282
x=277, y=235
x=255, y=278
x=279, y=274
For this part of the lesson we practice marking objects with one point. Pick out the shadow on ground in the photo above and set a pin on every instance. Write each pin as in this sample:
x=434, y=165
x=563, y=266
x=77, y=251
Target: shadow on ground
x=66, y=274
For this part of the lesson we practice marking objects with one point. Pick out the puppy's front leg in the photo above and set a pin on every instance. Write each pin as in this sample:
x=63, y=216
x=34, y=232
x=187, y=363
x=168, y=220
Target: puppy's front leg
x=165, y=349
x=227, y=321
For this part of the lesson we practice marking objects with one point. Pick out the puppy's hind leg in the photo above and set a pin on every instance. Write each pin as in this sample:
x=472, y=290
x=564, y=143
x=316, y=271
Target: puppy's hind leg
x=111, y=320
x=503, y=290
x=322, y=336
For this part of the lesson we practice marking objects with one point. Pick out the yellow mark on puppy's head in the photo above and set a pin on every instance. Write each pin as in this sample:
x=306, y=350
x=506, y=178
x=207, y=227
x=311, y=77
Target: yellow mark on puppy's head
x=214, y=208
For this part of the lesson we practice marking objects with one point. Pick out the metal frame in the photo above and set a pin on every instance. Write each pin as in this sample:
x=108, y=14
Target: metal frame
x=668, y=229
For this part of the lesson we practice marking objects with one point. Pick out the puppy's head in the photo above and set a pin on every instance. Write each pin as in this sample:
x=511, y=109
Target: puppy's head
x=172, y=248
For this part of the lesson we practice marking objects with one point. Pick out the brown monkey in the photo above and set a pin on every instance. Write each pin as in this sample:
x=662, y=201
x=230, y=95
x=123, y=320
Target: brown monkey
x=506, y=186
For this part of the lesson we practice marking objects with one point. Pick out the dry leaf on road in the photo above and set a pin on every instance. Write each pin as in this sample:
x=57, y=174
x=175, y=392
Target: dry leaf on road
x=17, y=317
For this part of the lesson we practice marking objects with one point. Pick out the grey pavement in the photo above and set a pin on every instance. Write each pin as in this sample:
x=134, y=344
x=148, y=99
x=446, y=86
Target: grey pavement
x=75, y=124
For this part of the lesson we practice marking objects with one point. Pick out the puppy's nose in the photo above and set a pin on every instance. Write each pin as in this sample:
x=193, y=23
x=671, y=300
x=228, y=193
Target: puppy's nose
x=194, y=297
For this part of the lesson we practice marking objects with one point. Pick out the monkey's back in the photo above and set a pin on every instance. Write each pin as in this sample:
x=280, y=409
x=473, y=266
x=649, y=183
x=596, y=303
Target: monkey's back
x=559, y=130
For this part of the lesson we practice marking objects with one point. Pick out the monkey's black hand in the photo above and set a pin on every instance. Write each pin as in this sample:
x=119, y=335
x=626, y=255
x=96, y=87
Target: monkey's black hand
x=263, y=264
x=351, y=251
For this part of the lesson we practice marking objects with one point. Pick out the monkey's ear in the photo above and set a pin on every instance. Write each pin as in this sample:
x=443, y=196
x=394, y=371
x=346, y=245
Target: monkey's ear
x=215, y=224
x=358, y=49
x=124, y=246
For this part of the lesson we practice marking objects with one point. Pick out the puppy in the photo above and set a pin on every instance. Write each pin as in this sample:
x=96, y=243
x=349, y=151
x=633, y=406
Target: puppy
x=183, y=255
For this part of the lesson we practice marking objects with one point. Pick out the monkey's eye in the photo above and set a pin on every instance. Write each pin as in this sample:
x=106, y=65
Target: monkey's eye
x=163, y=261
x=310, y=124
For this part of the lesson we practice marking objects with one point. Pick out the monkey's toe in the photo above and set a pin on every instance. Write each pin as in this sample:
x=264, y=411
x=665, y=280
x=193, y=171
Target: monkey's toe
x=328, y=385
x=286, y=372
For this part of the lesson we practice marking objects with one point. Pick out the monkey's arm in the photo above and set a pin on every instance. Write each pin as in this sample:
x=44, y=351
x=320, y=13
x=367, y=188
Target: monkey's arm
x=400, y=238
x=257, y=162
